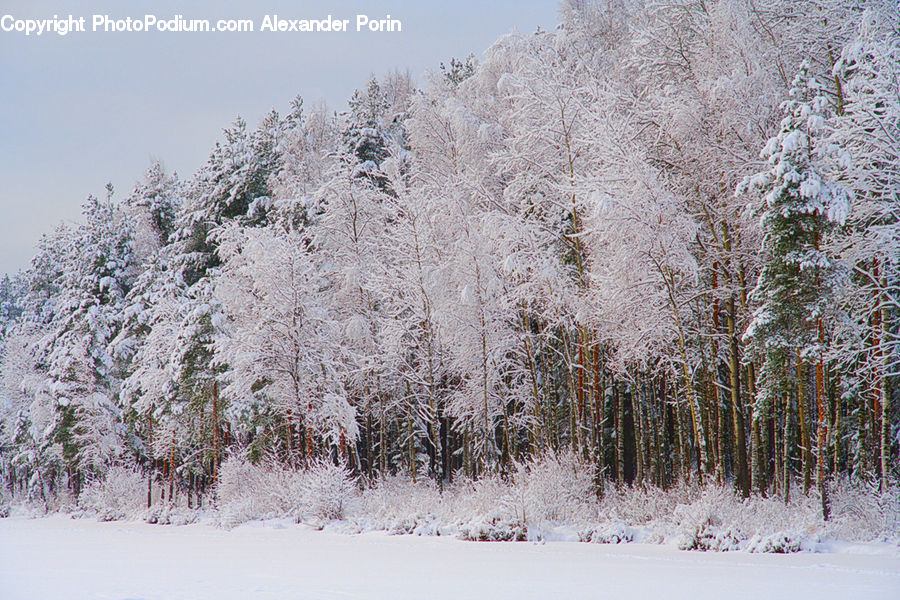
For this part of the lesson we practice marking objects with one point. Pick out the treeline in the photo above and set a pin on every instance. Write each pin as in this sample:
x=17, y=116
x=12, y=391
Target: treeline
x=664, y=236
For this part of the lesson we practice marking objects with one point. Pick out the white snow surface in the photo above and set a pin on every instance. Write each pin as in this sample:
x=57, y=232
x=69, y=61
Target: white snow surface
x=62, y=558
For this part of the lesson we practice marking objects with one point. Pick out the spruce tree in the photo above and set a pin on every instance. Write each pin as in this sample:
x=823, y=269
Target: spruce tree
x=796, y=284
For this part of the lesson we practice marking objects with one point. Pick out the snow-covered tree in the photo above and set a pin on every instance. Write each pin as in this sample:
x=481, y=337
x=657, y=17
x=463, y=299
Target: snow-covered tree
x=157, y=200
x=796, y=287
x=866, y=128
x=81, y=374
x=280, y=346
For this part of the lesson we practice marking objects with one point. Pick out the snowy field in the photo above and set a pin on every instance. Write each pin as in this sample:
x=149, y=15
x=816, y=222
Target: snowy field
x=60, y=558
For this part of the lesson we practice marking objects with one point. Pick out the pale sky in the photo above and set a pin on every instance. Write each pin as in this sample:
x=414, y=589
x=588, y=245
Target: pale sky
x=79, y=110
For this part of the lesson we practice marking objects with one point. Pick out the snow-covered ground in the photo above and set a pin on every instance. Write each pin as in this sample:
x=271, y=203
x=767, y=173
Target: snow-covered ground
x=62, y=558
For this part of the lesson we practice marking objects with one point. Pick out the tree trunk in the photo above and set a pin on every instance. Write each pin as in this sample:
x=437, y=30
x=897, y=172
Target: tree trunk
x=837, y=429
x=620, y=435
x=737, y=413
x=637, y=418
x=719, y=437
x=691, y=397
x=412, y=449
x=788, y=433
x=821, y=458
x=805, y=448
x=579, y=396
x=777, y=445
x=150, y=470
x=215, y=418
x=382, y=450
x=862, y=446
x=714, y=378
x=536, y=429
x=658, y=420
x=599, y=396
x=172, y=472
x=683, y=449
x=885, y=400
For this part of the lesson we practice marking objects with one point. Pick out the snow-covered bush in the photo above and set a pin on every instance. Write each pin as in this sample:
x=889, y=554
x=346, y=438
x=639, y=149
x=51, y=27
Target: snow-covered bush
x=718, y=518
x=166, y=514
x=860, y=512
x=493, y=530
x=326, y=490
x=767, y=515
x=780, y=543
x=612, y=532
x=121, y=494
x=642, y=505
x=713, y=517
x=554, y=488
x=554, y=496
x=490, y=509
x=489, y=499
x=270, y=490
x=399, y=506
x=699, y=523
x=5, y=501
x=538, y=494
x=246, y=492
x=707, y=537
x=550, y=489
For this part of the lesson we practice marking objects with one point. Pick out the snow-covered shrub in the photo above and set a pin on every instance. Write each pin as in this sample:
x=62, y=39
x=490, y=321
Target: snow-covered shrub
x=700, y=523
x=538, y=494
x=246, y=492
x=643, y=505
x=121, y=494
x=5, y=501
x=270, y=490
x=780, y=543
x=711, y=538
x=767, y=515
x=416, y=524
x=716, y=518
x=397, y=505
x=860, y=512
x=485, y=497
x=612, y=532
x=166, y=514
x=713, y=517
x=493, y=530
x=326, y=489
x=550, y=489
x=488, y=509
x=554, y=496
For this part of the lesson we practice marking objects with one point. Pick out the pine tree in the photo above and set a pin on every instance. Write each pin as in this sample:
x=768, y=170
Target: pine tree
x=795, y=289
x=158, y=197
x=82, y=376
x=376, y=125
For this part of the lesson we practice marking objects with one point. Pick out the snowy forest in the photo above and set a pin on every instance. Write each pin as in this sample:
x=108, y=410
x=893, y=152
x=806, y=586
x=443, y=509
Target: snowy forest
x=655, y=249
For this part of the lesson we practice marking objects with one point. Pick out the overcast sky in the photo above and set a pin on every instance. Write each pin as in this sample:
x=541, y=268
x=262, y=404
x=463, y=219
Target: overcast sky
x=79, y=110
